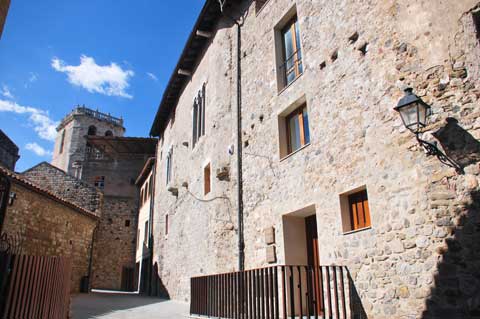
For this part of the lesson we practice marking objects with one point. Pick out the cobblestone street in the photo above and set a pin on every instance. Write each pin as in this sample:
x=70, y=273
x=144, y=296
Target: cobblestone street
x=119, y=306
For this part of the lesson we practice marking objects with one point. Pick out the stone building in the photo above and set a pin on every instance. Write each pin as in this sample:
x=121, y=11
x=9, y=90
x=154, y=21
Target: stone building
x=4, y=5
x=42, y=223
x=328, y=171
x=8, y=152
x=90, y=147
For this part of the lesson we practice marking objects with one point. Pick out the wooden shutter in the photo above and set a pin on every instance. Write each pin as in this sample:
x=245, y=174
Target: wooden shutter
x=359, y=210
x=206, y=177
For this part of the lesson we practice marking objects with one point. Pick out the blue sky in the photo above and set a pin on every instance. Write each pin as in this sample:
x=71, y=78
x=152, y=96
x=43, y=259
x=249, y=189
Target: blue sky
x=116, y=56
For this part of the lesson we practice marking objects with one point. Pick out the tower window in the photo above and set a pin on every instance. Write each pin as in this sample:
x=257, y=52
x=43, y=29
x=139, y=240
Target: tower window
x=108, y=133
x=92, y=130
x=99, y=182
x=127, y=223
x=62, y=142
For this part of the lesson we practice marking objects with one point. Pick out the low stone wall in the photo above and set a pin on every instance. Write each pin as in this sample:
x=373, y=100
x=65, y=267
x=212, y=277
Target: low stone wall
x=44, y=226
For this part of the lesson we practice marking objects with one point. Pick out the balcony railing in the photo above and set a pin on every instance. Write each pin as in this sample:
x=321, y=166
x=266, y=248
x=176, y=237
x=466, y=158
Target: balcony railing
x=273, y=293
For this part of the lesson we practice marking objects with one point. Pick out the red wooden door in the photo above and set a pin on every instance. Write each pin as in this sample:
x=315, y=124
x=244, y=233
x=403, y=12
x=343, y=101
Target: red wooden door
x=314, y=261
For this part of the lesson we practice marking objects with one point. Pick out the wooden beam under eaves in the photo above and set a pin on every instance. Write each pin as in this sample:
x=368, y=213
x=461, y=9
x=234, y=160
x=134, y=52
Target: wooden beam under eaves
x=204, y=34
x=184, y=72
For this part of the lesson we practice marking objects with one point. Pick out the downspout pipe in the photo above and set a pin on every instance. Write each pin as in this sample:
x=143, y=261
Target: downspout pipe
x=150, y=226
x=241, y=241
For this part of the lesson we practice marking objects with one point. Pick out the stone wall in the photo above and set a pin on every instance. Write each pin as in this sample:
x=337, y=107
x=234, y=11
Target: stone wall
x=66, y=186
x=418, y=258
x=8, y=150
x=4, y=5
x=44, y=226
x=114, y=246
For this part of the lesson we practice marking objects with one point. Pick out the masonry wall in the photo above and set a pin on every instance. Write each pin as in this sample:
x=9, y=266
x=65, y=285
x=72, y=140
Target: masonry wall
x=46, y=227
x=8, y=150
x=202, y=235
x=4, y=5
x=417, y=260
x=66, y=186
x=412, y=262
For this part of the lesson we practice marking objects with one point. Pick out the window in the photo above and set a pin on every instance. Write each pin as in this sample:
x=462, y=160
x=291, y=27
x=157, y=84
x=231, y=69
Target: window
x=146, y=195
x=166, y=224
x=145, y=234
x=259, y=5
x=291, y=66
x=297, y=129
x=476, y=22
x=198, y=118
x=169, y=165
x=355, y=210
x=62, y=142
x=206, y=179
x=92, y=130
x=108, y=133
x=138, y=237
x=99, y=182
x=127, y=223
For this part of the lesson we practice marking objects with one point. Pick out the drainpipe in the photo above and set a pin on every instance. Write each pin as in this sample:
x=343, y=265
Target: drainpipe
x=150, y=226
x=241, y=242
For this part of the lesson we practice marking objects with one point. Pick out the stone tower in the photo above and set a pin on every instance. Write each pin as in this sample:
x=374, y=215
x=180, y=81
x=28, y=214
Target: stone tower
x=71, y=146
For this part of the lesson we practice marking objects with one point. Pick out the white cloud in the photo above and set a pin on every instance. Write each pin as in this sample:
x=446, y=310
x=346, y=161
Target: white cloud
x=39, y=119
x=110, y=80
x=152, y=76
x=37, y=149
x=6, y=92
x=33, y=77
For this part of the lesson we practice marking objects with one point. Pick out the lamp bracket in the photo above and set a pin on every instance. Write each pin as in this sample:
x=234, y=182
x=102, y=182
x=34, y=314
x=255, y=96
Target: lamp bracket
x=431, y=149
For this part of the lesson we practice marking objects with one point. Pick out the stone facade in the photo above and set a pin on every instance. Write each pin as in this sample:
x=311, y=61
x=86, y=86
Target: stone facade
x=4, y=5
x=418, y=259
x=47, y=225
x=66, y=186
x=8, y=152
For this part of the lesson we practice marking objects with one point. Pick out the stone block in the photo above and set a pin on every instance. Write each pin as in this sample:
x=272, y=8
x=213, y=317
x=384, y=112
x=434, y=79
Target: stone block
x=271, y=254
x=269, y=235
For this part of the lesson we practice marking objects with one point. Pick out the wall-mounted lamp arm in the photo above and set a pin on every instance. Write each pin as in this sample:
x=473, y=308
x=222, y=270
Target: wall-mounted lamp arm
x=432, y=149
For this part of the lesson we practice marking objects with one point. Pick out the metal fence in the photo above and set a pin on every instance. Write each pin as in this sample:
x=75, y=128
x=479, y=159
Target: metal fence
x=36, y=287
x=273, y=293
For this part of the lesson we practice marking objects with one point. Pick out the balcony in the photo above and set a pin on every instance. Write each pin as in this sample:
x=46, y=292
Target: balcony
x=274, y=292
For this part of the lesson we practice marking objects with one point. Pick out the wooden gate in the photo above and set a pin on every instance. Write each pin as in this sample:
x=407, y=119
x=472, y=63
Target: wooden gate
x=36, y=287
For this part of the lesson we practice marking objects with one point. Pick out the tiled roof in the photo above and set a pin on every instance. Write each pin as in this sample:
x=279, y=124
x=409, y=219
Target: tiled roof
x=28, y=184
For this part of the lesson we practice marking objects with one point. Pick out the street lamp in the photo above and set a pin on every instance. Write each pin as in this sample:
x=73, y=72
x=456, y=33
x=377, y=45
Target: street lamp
x=414, y=113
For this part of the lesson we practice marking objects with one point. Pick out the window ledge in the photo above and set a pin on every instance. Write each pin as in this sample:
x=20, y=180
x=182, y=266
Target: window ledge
x=290, y=84
x=357, y=230
x=295, y=152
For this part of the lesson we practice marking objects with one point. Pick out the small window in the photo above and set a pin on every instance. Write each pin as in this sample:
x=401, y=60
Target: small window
x=99, y=182
x=355, y=210
x=169, y=166
x=198, y=118
x=62, y=142
x=259, y=5
x=166, y=224
x=291, y=65
x=297, y=129
x=145, y=234
x=108, y=133
x=141, y=196
x=127, y=223
x=138, y=238
x=92, y=130
x=476, y=22
x=207, y=179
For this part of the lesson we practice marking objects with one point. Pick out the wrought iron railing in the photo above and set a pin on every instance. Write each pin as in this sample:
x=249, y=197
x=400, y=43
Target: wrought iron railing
x=274, y=292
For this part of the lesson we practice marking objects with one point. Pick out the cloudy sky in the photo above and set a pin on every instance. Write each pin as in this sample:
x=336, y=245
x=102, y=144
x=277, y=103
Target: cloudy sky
x=116, y=56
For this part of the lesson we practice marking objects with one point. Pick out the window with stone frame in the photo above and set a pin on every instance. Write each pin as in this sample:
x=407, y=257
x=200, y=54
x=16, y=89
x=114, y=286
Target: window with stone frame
x=355, y=210
x=169, y=166
x=198, y=117
x=291, y=64
x=99, y=182
x=297, y=129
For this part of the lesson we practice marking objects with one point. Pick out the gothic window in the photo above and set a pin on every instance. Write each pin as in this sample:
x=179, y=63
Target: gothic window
x=169, y=166
x=92, y=130
x=198, y=117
